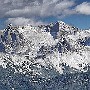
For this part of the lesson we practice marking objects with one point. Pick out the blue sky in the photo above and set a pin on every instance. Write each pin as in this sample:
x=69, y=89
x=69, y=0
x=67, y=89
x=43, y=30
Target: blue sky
x=36, y=12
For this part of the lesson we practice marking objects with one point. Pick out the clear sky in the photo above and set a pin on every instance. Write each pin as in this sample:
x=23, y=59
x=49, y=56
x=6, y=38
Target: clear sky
x=36, y=12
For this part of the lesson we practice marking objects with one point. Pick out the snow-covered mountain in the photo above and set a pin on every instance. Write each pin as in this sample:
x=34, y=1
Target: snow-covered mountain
x=47, y=57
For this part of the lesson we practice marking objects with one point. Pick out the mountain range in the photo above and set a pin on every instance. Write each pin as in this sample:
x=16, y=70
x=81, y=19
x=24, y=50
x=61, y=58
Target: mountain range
x=45, y=57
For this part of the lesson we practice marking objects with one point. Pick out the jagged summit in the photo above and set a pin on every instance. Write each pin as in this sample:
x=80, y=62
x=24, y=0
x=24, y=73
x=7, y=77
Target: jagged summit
x=66, y=36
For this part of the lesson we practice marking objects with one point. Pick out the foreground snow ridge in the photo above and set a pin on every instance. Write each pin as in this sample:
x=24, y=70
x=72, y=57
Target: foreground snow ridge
x=46, y=57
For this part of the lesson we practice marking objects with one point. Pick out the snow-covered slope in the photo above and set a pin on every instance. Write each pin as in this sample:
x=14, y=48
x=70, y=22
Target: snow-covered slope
x=43, y=53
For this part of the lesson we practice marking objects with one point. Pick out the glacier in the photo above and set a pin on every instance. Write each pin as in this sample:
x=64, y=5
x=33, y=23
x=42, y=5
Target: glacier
x=45, y=57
